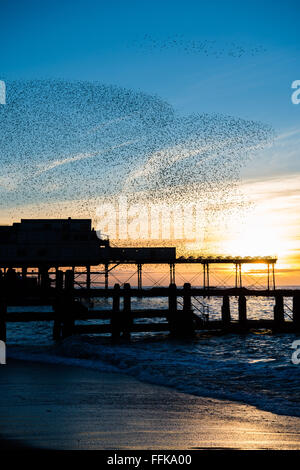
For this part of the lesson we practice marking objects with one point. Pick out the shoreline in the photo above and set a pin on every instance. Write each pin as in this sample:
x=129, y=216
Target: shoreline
x=51, y=406
x=120, y=362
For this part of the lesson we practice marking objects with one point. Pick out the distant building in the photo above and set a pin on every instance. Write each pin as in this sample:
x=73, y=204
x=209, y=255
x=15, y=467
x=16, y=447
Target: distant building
x=50, y=243
x=54, y=243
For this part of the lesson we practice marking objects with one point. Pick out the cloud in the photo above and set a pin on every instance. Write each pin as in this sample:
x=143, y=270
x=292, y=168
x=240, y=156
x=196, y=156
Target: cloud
x=82, y=156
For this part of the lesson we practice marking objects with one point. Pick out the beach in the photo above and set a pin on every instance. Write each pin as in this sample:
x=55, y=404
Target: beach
x=52, y=406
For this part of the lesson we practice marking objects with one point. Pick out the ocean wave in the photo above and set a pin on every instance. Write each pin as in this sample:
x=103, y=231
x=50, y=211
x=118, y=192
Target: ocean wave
x=254, y=369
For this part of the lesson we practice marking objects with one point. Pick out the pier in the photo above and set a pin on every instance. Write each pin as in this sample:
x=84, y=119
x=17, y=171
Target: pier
x=52, y=263
x=180, y=318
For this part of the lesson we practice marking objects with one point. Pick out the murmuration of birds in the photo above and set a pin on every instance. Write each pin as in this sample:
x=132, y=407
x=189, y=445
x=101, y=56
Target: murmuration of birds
x=203, y=47
x=67, y=148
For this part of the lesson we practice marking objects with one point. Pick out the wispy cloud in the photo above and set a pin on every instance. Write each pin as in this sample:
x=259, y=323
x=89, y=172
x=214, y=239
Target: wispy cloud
x=287, y=134
x=50, y=165
x=164, y=158
x=80, y=156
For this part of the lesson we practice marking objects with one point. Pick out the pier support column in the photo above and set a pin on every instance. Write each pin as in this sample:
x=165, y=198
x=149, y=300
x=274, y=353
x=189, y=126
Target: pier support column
x=206, y=276
x=238, y=275
x=242, y=302
x=181, y=322
x=106, y=276
x=273, y=276
x=24, y=272
x=186, y=319
x=172, y=299
x=127, y=314
x=187, y=299
x=69, y=280
x=66, y=307
x=296, y=311
x=3, y=309
x=88, y=277
x=116, y=319
x=172, y=311
x=139, y=273
x=44, y=278
x=278, y=311
x=226, y=311
x=59, y=280
x=172, y=273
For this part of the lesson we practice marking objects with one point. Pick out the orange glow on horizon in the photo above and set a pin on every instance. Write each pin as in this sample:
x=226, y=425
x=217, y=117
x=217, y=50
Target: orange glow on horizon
x=271, y=226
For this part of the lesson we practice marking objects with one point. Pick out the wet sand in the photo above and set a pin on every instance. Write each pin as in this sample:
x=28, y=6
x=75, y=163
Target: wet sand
x=63, y=407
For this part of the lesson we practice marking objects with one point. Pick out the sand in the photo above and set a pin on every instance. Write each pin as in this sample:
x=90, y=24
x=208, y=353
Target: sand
x=64, y=407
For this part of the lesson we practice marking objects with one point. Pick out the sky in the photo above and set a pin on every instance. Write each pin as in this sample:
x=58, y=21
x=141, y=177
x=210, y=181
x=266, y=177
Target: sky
x=224, y=58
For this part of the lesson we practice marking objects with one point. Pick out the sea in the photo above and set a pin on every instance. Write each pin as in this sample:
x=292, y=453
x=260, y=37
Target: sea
x=254, y=368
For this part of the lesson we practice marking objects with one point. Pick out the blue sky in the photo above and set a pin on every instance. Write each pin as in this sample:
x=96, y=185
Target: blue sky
x=232, y=58
x=104, y=40
x=252, y=57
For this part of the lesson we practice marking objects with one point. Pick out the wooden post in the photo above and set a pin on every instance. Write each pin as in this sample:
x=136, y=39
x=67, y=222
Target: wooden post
x=139, y=273
x=127, y=315
x=187, y=300
x=296, y=311
x=88, y=277
x=67, y=314
x=59, y=280
x=186, y=320
x=240, y=274
x=64, y=310
x=273, y=276
x=69, y=280
x=172, y=273
x=45, y=282
x=3, y=309
x=172, y=299
x=106, y=275
x=207, y=275
x=116, y=319
x=226, y=311
x=242, y=311
x=67, y=305
x=278, y=311
x=172, y=313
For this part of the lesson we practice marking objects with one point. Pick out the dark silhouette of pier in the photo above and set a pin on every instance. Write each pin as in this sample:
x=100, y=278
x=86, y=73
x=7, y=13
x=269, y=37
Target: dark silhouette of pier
x=30, y=250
